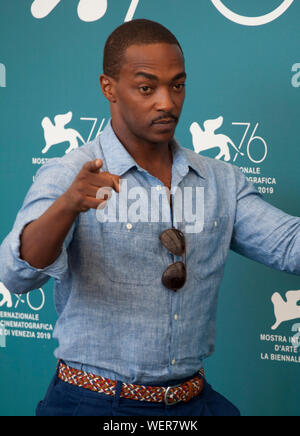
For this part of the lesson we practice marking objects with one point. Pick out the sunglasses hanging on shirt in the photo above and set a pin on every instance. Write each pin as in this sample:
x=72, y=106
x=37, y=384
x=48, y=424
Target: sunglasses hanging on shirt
x=174, y=277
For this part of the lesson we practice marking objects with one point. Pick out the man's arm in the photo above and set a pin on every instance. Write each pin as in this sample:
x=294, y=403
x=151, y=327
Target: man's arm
x=264, y=233
x=42, y=240
x=35, y=250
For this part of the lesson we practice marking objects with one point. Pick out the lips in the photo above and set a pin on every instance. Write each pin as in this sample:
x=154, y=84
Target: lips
x=165, y=121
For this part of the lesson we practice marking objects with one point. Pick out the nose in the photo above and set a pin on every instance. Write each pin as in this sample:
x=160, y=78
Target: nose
x=164, y=100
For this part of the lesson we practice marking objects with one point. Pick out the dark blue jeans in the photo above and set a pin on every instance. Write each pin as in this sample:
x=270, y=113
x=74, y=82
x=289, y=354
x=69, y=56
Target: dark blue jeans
x=63, y=399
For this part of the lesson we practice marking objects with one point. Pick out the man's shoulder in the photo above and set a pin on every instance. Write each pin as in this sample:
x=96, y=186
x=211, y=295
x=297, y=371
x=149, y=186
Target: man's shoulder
x=208, y=166
x=75, y=159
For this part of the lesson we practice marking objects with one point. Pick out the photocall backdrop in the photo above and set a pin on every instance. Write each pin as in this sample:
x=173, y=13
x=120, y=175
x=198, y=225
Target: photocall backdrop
x=243, y=67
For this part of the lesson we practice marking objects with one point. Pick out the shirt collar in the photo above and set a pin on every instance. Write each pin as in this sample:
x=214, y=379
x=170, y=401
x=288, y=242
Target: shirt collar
x=117, y=158
x=119, y=161
x=184, y=159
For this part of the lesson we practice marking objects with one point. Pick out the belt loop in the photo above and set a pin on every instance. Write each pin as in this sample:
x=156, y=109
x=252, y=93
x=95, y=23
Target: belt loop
x=117, y=393
x=57, y=367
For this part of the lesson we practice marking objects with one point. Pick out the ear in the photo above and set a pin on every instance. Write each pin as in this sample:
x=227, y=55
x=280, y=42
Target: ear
x=107, y=85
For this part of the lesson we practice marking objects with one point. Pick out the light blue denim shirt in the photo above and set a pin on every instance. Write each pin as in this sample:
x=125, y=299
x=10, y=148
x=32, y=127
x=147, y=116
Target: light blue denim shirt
x=115, y=317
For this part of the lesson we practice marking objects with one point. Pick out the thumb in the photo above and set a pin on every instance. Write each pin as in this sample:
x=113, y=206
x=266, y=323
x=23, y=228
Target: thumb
x=117, y=183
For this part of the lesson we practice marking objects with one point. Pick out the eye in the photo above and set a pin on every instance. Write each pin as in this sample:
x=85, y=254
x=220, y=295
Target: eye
x=145, y=90
x=179, y=86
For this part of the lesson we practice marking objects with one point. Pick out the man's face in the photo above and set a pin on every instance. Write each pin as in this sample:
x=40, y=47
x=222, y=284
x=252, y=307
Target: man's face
x=150, y=91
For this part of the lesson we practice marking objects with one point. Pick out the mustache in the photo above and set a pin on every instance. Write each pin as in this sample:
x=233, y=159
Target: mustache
x=164, y=116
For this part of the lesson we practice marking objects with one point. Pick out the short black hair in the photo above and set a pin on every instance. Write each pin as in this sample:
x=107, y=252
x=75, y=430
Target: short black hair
x=138, y=31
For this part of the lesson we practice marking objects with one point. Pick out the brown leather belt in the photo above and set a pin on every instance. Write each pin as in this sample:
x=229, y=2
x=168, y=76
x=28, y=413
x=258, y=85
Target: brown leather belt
x=169, y=395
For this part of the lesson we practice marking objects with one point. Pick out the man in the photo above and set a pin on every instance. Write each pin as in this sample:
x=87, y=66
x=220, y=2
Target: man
x=136, y=299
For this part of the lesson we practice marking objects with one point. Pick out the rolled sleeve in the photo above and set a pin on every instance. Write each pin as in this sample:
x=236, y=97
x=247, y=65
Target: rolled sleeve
x=18, y=275
x=264, y=233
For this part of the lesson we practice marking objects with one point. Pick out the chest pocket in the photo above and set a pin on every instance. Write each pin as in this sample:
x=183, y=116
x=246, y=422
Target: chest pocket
x=208, y=249
x=131, y=252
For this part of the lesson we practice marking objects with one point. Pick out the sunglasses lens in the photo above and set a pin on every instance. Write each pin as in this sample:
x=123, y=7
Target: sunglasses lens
x=174, y=276
x=173, y=240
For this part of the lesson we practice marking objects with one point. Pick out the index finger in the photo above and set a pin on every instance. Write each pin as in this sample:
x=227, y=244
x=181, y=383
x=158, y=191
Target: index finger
x=94, y=165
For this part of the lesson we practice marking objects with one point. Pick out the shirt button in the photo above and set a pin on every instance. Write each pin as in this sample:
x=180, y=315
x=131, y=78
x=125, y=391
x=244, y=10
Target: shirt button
x=173, y=362
x=158, y=187
x=129, y=226
x=176, y=317
x=216, y=223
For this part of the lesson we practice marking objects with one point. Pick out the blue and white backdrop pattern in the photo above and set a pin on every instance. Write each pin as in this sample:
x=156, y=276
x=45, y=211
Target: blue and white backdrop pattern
x=242, y=106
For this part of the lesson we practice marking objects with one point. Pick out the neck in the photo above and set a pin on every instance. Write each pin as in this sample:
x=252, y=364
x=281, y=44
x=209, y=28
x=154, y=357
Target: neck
x=156, y=158
x=146, y=154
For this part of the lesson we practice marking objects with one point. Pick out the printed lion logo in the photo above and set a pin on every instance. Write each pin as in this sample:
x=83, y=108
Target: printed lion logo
x=57, y=133
x=207, y=139
x=87, y=10
x=6, y=296
x=285, y=310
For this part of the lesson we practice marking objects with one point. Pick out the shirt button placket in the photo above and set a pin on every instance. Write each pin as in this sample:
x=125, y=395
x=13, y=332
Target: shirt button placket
x=175, y=317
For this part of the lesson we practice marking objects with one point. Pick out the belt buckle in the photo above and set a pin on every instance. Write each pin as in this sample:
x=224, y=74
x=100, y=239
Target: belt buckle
x=166, y=396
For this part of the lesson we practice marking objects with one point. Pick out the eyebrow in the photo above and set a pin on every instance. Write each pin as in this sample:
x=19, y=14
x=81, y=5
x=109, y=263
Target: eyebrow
x=153, y=77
